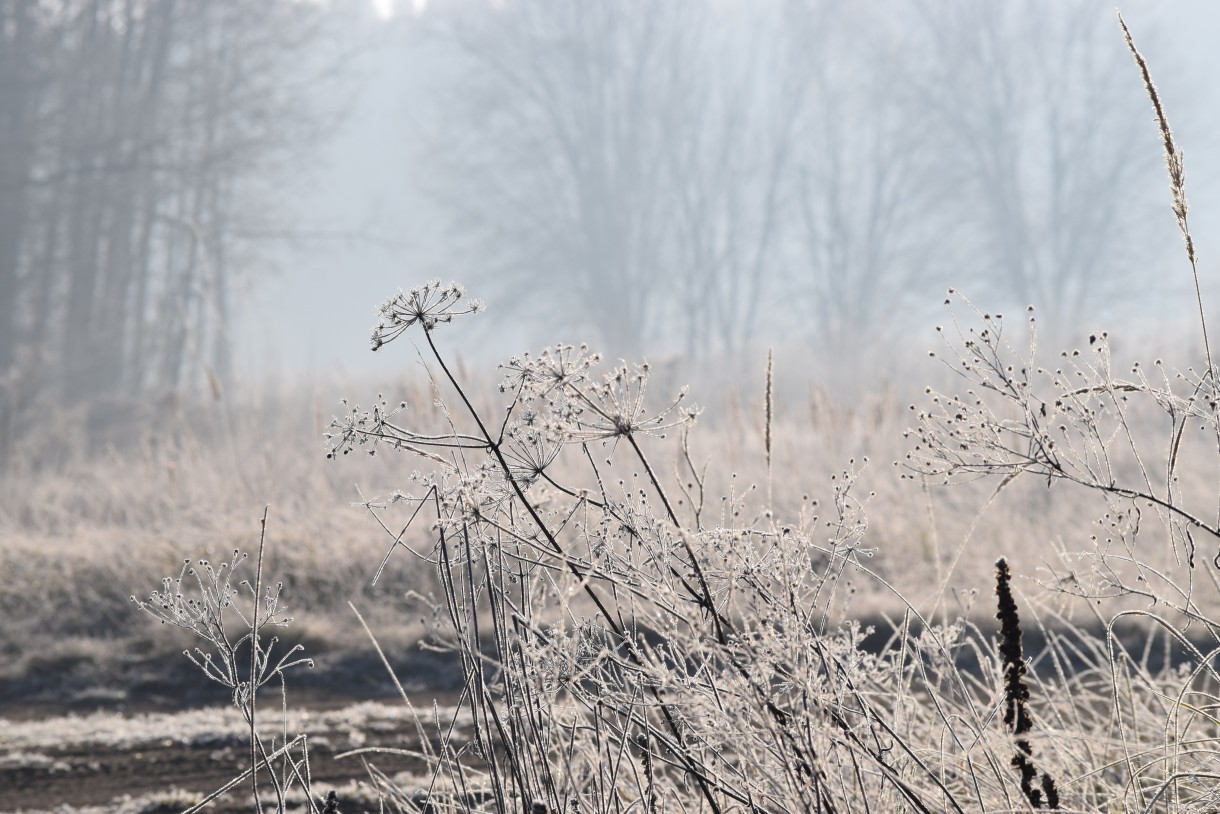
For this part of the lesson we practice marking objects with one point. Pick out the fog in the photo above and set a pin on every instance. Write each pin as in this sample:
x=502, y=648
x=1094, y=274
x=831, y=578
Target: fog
x=1009, y=152
x=199, y=194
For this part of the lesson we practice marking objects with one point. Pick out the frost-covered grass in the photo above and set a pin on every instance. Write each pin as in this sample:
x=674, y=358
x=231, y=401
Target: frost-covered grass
x=639, y=636
x=81, y=536
x=917, y=549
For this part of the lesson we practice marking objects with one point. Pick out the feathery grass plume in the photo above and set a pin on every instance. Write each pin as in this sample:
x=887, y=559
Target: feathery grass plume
x=769, y=411
x=1177, y=185
x=1177, y=182
x=769, y=404
x=1016, y=693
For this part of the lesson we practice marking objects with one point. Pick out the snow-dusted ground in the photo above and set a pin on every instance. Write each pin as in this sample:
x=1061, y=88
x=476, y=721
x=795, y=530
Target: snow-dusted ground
x=109, y=761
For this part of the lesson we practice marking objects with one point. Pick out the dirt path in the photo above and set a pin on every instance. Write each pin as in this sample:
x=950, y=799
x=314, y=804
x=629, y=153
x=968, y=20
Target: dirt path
x=165, y=762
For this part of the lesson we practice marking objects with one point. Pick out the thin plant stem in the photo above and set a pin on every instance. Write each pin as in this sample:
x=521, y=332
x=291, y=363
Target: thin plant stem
x=258, y=585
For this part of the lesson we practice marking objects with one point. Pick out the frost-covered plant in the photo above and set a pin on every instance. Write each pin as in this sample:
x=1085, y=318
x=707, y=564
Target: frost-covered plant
x=626, y=649
x=1122, y=435
x=206, y=599
x=1143, y=440
x=428, y=305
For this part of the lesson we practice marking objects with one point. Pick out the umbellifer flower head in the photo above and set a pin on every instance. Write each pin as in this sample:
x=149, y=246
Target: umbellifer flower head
x=429, y=304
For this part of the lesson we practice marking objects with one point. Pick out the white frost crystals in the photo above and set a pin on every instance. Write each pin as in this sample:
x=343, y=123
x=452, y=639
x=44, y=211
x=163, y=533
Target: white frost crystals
x=429, y=304
x=580, y=408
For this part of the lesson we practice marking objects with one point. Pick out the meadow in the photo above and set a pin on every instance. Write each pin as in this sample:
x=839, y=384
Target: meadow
x=99, y=519
x=997, y=592
x=120, y=504
x=896, y=585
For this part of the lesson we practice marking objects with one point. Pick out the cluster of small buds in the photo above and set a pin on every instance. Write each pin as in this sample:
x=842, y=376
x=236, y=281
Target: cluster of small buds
x=562, y=655
x=1004, y=422
x=473, y=499
x=176, y=605
x=428, y=305
x=1080, y=422
x=577, y=408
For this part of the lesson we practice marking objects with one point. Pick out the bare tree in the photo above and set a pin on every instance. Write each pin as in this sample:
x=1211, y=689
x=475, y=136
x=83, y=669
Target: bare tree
x=18, y=47
x=553, y=174
x=138, y=139
x=679, y=171
x=1044, y=136
x=622, y=161
x=868, y=222
x=730, y=157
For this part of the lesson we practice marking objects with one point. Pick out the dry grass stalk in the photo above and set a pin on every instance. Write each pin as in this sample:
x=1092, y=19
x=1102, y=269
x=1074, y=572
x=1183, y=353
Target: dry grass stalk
x=1177, y=182
x=769, y=419
x=769, y=406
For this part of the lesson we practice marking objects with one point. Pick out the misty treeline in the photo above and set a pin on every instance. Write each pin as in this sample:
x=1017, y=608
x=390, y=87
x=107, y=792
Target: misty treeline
x=675, y=174
x=687, y=172
x=141, y=142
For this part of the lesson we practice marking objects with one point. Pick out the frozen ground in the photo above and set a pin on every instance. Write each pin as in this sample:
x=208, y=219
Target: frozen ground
x=152, y=762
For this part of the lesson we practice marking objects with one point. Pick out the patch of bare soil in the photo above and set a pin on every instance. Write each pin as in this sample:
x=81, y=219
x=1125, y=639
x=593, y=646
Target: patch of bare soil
x=166, y=762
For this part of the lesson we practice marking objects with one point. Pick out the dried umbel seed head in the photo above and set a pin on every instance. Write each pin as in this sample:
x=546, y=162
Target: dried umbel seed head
x=429, y=305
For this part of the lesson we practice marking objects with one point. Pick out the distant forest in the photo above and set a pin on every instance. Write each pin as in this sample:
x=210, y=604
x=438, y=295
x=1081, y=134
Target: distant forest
x=679, y=172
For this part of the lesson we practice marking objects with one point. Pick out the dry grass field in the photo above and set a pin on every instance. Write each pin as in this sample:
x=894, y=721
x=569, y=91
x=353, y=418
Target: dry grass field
x=102, y=520
x=97, y=512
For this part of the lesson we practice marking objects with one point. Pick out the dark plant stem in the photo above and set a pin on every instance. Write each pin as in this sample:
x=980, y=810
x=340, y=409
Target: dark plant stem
x=1016, y=694
x=258, y=585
